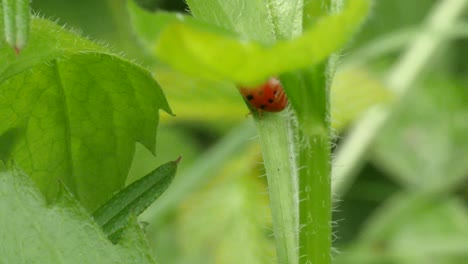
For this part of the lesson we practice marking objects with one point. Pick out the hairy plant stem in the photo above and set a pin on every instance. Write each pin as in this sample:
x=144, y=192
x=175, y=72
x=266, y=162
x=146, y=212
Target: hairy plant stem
x=314, y=163
x=296, y=152
x=300, y=191
x=277, y=142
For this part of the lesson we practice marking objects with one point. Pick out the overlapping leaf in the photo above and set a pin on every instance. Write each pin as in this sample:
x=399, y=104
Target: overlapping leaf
x=204, y=50
x=115, y=214
x=196, y=50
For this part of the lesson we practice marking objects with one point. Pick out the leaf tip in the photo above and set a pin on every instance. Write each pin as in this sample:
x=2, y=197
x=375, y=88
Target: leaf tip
x=178, y=159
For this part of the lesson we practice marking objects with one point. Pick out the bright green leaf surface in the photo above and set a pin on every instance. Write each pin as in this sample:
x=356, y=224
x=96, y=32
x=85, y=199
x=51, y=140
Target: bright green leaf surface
x=36, y=232
x=197, y=51
x=114, y=215
x=425, y=143
x=79, y=112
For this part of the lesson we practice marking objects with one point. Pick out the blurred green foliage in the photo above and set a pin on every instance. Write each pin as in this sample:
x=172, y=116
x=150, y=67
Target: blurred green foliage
x=407, y=205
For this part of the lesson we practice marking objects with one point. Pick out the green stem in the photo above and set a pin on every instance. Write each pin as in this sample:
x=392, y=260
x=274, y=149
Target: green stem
x=313, y=145
x=315, y=197
x=16, y=22
x=276, y=140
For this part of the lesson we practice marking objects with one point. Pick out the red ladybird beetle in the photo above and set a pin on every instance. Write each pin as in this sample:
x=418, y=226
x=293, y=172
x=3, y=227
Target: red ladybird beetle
x=269, y=97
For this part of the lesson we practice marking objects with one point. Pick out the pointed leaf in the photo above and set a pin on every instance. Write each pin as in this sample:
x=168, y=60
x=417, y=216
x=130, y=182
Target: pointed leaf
x=114, y=215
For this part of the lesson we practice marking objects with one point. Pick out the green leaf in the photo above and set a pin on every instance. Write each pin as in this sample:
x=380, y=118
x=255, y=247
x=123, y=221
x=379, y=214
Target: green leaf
x=16, y=22
x=115, y=215
x=424, y=143
x=195, y=50
x=63, y=232
x=81, y=111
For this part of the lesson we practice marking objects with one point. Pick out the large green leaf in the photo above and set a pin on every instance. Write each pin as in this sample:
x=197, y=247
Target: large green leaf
x=199, y=51
x=79, y=112
x=36, y=232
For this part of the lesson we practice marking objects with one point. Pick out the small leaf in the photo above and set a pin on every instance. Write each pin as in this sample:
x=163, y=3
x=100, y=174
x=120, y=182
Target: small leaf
x=194, y=49
x=114, y=215
x=62, y=232
x=16, y=16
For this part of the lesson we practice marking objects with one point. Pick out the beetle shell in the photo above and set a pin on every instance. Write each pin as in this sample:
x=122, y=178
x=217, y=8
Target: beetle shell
x=269, y=97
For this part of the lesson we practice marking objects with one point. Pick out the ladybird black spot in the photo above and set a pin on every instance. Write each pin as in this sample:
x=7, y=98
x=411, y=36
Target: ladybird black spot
x=270, y=101
x=249, y=97
x=262, y=106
